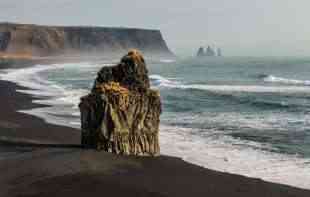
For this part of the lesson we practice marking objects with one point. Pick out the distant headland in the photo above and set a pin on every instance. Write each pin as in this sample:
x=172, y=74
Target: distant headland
x=27, y=40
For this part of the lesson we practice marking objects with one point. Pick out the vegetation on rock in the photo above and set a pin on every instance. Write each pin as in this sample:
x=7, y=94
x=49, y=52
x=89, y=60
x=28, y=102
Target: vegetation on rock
x=121, y=114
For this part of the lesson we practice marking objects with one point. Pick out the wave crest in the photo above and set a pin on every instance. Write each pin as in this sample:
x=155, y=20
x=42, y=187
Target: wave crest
x=274, y=79
x=160, y=81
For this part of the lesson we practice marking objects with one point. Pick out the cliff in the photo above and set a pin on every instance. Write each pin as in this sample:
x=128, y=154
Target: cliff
x=38, y=40
x=121, y=114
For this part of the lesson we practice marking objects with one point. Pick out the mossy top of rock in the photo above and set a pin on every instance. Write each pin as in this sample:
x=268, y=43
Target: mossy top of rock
x=130, y=73
x=121, y=114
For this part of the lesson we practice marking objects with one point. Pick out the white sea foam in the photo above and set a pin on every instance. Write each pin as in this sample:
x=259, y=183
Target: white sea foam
x=158, y=80
x=237, y=120
x=248, y=88
x=62, y=100
x=209, y=149
x=163, y=82
x=274, y=79
x=30, y=77
x=167, y=60
x=230, y=155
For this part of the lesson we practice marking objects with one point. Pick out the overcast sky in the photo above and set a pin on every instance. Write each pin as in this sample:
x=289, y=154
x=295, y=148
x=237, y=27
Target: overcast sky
x=239, y=27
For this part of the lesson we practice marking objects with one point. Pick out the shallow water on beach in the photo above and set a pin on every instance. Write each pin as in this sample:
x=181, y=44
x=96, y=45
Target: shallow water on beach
x=249, y=116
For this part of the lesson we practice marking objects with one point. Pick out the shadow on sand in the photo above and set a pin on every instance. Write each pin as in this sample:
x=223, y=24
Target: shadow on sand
x=26, y=144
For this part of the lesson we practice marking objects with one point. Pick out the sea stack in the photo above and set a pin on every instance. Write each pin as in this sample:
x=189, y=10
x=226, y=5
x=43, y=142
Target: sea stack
x=4, y=40
x=210, y=52
x=121, y=114
x=219, y=52
x=201, y=52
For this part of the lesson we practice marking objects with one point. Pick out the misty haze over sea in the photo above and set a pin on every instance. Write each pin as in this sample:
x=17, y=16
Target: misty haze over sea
x=240, y=27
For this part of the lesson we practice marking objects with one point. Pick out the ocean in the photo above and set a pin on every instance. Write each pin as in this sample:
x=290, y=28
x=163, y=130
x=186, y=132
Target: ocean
x=243, y=115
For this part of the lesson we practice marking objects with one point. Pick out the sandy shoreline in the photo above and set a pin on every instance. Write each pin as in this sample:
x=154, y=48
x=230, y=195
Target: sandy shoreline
x=42, y=159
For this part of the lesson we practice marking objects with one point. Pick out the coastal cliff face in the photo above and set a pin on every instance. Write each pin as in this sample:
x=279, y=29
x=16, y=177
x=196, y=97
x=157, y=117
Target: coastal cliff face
x=121, y=114
x=49, y=41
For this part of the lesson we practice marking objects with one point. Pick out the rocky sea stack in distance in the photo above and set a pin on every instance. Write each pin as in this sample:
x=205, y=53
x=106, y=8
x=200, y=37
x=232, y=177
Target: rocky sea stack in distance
x=121, y=114
x=208, y=52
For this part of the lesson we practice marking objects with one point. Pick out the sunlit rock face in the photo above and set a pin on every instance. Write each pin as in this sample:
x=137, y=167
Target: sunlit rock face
x=121, y=114
x=107, y=42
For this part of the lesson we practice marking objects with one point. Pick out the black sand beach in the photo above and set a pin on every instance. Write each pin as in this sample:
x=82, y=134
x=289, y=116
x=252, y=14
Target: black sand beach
x=41, y=159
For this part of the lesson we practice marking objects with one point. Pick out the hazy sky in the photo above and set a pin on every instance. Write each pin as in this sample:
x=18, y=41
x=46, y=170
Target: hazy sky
x=239, y=27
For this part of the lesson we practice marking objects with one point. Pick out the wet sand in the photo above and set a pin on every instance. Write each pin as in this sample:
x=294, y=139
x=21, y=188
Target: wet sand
x=41, y=159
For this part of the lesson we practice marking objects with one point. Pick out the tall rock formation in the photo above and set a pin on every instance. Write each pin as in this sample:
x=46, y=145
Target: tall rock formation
x=201, y=52
x=5, y=38
x=121, y=114
x=210, y=52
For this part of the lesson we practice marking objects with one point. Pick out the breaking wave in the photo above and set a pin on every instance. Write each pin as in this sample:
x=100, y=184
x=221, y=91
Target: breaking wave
x=226, y=155
x=209, y=148
x=167, y=60
x=62, y=101
x=274, y=79
x=160, y=81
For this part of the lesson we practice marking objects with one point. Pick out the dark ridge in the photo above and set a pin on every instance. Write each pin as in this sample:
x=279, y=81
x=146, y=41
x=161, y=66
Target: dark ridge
x=27, y=144
x=39, y=40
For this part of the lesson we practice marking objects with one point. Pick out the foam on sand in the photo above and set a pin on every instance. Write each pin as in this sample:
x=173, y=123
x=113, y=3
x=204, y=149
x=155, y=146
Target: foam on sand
x=224, y=154
x=208, y=149
x=63, y=101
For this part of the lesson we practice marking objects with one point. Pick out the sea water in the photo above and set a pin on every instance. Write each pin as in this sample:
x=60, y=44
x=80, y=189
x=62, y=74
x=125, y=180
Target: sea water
x=249, y=116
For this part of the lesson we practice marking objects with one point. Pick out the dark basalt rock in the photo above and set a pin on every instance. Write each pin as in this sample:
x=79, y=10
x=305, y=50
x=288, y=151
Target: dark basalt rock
x=201, y=52
x=210, y=52
x=121, y=114
x=5, y=38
